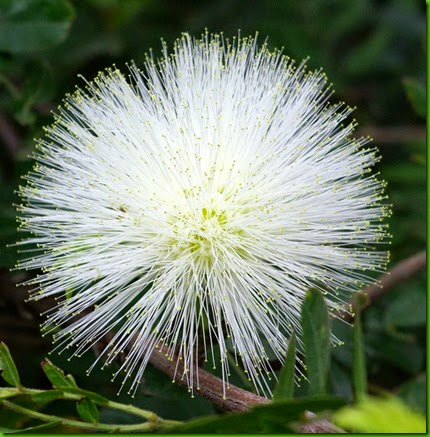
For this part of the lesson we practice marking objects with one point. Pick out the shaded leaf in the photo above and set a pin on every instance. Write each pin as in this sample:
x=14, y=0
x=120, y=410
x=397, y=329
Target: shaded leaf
x=403, y=353
x=407, y=309
x=31, y=25
x=359, y=373
x=88, y=411
x=37, y=88
x=373, y=415
x=285, y=387
x=414, y=392
x=340, y=381
x=8, y=370
x=416, y=92
x=316, y=339
x=366, y=56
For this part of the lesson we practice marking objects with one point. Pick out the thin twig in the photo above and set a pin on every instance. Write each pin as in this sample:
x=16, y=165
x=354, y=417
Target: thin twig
x=143, y=427
x=9, y=136
x=152, y=423
x=398, y=274
x=393, y=134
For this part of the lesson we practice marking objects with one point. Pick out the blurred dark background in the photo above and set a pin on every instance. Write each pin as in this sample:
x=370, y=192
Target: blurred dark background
x=373, y=52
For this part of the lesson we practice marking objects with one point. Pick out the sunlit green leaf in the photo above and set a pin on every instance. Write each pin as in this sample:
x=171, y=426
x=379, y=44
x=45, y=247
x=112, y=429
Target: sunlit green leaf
x=373, y=415
x=8, y=392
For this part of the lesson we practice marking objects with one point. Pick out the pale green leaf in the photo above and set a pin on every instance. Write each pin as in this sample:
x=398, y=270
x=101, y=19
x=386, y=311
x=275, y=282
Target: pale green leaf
x=385, y=415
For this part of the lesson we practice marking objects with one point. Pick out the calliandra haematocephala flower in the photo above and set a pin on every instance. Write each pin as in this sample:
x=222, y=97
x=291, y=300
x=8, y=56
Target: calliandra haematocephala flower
x=191, y=205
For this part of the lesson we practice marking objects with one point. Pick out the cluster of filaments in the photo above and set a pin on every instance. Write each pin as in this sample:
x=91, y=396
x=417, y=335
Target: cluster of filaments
x=190, y=207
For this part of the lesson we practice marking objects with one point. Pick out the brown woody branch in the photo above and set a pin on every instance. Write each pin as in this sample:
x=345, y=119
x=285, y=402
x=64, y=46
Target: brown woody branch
x=393, y=134
x=401, y=272
x=236, y=399
x=210, y=387
x=9, y=136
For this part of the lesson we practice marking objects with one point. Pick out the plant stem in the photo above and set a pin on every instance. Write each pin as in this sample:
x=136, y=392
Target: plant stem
x=128, y=408
x=13, y=90
x=146, y=426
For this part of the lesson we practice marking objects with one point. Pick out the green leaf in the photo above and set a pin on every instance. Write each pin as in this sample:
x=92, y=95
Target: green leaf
x=285, y=387
x=67, y=384
x=57, y=376
x=375, y=415
x=407, y=309
x=31, y=428
x=359, y=373
x=404, y=353
x=316, y=339
x=365, y=56
x=8, y=369
x=416, y=92
x=340, y=380
x=95, y=397
x=88, y=411
x=32, y=25
x=413, y=392
x=46, y=396
x=8, y=392
x=38, y=87
x=273, y=417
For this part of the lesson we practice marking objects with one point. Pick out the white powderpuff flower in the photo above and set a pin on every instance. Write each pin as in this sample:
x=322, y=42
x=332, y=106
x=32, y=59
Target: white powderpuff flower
x=190, y=207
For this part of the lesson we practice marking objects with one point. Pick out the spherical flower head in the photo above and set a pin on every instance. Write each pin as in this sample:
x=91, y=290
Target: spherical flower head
x=189, y=207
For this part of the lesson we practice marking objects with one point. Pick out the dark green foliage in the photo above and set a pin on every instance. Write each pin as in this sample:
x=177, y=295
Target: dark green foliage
x=28, y=26
x=416, y=91
x=316, y=339
x=372, y=51
x=285, y=387
x=360, y=376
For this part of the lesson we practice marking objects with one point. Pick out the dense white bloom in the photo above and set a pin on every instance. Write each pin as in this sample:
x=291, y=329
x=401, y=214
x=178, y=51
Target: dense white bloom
x=194, y=204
